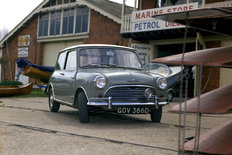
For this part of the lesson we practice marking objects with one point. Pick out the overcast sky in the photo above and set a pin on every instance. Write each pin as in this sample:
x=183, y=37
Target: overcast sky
x=12, y=12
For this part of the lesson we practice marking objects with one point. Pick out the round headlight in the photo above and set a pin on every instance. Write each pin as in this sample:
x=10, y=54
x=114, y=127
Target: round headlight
x=162, y=83
x=100, y=81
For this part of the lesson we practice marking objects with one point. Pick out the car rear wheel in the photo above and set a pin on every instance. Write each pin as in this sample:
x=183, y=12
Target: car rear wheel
x=53, y=105
x=82, y=108
x=156, y=115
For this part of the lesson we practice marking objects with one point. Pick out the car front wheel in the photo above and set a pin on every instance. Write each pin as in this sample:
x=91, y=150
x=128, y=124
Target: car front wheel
x=156, y=115
x=53, y=105
x=82, y=108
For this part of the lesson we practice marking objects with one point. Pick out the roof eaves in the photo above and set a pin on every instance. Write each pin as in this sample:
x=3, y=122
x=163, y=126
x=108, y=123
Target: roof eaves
x=101, y=11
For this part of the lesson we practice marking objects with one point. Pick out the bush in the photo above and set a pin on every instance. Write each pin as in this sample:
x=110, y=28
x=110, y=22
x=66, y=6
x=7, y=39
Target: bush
x=10, y=83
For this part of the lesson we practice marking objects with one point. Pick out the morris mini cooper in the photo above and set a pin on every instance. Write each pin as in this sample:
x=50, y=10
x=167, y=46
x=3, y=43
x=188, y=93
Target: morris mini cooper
x=105, y=77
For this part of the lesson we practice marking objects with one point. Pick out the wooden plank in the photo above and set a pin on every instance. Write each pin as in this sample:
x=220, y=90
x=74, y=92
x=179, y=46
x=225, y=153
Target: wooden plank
x=215, y=141
x=216, y=57
x=213, y=102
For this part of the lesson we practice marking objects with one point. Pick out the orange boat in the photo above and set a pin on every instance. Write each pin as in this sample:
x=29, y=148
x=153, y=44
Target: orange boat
x=37, y=73
x=6, y=91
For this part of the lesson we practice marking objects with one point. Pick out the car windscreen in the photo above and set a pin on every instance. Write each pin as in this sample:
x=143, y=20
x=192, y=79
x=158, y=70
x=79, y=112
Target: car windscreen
x=108, y=57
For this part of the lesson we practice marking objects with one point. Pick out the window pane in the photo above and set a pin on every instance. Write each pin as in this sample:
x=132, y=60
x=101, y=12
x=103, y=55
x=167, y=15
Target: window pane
x=45, y=32
x=71, y=61
x=70, y=24
x=85, y=23
x=43, y=25
x=68, y=21
x=40, y=28
x=65, y=25
x=57, y=27
x=78, y=24
x=61, y=60
x=66, y=1
x=55, y=23
x=53, y=2
x=82, y=19
x=59, y=2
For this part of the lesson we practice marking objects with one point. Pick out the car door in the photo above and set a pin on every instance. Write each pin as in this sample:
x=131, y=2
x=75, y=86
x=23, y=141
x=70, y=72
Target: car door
x=69, y=77
x=58, y=76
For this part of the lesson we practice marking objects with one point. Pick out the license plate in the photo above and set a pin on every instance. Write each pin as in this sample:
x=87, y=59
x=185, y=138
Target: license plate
x=133, y=110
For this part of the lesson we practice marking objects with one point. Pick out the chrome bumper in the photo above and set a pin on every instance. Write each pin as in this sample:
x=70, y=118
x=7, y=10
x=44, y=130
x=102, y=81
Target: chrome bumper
x=108, y=102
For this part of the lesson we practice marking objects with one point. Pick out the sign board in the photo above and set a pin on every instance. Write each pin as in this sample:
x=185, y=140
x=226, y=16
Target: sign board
x=22, y=52
x=24, y=40
x=144, y=51
x=143, y=21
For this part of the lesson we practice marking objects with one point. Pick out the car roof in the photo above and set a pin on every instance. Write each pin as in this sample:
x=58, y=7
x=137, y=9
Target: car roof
x=97, y=45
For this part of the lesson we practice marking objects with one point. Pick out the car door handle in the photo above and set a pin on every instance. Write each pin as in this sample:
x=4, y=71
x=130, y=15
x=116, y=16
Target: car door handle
x=62, y=74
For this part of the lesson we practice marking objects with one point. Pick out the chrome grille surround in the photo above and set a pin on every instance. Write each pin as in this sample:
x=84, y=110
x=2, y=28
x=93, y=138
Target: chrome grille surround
x=129, y=93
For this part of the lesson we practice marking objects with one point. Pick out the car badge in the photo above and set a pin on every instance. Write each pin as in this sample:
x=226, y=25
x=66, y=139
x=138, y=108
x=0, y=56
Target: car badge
x=132, y=80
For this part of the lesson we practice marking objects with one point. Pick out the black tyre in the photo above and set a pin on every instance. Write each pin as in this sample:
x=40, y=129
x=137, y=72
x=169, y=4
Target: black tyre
x=156, y=115
x=53, y=105
x=82, y=108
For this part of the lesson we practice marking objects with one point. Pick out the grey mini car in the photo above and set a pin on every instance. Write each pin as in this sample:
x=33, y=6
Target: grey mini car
x=105, y=77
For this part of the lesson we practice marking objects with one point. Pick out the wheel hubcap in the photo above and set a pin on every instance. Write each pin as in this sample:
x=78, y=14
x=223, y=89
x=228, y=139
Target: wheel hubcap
x=51, y=100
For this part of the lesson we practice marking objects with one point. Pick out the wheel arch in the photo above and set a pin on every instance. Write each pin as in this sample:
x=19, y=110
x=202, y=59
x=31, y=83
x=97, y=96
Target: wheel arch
x=80, y=89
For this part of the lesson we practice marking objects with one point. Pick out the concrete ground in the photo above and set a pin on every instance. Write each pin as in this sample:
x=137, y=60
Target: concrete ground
x=28, y=127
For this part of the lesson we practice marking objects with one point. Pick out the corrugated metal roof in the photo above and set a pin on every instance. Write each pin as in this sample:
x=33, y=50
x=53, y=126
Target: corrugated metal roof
x=111, y=7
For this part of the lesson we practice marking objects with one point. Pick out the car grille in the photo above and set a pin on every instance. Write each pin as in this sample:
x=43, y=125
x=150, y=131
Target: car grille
x=127, y=94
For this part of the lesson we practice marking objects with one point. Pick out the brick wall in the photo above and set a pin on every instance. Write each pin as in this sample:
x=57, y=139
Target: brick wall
x=34, y=49
x=104, y=31
x=213, y=1
x=148, y=4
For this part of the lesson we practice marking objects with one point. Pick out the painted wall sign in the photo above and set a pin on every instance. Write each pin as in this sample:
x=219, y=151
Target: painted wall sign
x=143, y=21
x=144, y=51
x=24, y=40
x=22, y=52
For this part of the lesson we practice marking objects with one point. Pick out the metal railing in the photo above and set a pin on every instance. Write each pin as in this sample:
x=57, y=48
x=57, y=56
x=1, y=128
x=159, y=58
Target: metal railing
x=125, y=25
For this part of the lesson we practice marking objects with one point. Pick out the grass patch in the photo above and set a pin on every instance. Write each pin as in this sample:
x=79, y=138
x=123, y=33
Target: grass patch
x=36, y=93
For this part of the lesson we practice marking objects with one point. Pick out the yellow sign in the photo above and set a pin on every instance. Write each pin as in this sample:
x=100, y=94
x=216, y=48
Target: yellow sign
x=20, y=41
x=24, y=40
x=27, y=40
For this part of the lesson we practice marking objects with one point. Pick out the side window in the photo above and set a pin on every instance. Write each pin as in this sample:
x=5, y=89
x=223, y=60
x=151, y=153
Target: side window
x=61, y=61
x=71, y=61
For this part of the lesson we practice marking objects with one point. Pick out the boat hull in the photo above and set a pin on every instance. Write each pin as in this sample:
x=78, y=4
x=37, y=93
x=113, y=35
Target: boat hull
x=6, y=91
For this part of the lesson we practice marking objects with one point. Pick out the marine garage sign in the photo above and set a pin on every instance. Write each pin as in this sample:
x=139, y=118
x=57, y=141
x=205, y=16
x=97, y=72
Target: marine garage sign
x=143, y=21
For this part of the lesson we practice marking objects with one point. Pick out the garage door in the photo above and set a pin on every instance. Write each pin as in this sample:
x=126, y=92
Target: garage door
x=51, y=50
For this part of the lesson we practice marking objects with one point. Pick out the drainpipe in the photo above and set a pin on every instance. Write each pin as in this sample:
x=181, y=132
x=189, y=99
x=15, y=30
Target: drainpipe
x=8, y=55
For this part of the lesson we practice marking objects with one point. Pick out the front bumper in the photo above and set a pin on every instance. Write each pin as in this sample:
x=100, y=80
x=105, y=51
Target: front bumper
x=108, y=103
